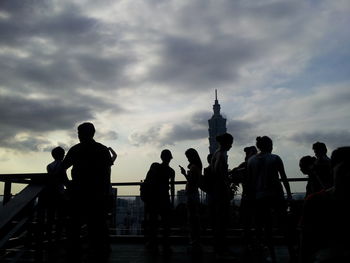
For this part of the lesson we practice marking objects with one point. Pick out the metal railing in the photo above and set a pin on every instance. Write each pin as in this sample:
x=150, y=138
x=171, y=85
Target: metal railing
x=126, y=217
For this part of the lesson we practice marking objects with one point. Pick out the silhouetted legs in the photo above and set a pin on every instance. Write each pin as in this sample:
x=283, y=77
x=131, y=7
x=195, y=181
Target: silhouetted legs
x=247, y=215
x=92, y=212
x=194, y=224
x=153, y=212
x=220, y=207
x=265, y=208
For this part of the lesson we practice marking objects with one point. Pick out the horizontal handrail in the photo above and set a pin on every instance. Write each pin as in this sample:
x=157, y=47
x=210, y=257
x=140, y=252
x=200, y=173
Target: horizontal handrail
x=14, y=177
x=293, y=179
x=22, y=176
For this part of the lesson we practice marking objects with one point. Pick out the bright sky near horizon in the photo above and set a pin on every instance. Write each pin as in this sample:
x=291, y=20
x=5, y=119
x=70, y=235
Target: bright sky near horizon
x=144, y=72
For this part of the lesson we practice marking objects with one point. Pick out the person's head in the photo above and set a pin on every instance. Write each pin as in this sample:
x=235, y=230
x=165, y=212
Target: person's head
x=306, y=163
x=58, y=153
x=225, y=141
x=340, y=155
x=86, y=131
x=340, y=160
x=264, y=144
x=209, y=157
x=320, y=149
x=166, y=156
x=193, y=157
x=249, y=152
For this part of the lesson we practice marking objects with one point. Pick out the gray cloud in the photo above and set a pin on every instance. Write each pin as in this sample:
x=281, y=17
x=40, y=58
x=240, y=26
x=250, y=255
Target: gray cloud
x=151, y=135
x=243, y=132
x=25, y=121
x=332, y=139
x=191, y=64
x=57, y=47
x=108, y=135
x=73, y=59
x=194, y=129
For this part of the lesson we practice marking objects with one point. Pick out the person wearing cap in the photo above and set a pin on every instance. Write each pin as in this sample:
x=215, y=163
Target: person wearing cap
x=160, y=178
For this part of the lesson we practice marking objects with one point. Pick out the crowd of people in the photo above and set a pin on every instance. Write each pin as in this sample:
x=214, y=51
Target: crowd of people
x=321, y=233
x=323, y=225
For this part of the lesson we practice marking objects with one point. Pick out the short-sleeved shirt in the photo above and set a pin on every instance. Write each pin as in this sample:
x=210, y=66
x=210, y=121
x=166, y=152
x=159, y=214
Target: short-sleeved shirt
x=159, y=177
x=322, y=169
x=56, y=175
x=91, y=163
x=263, y=176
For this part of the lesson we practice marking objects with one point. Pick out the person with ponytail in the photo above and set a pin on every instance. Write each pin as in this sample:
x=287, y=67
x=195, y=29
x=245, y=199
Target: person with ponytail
x=220, y=196
x=193, y=176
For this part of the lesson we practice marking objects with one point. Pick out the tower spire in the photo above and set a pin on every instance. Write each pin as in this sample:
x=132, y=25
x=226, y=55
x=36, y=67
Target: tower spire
x=217, y=125
x=216, y=106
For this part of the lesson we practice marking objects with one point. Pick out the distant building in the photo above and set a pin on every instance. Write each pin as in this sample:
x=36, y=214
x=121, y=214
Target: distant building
x=217, y=125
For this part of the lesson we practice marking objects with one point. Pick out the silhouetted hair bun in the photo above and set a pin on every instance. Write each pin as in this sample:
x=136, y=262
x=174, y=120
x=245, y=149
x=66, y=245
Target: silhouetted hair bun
x=224, y=138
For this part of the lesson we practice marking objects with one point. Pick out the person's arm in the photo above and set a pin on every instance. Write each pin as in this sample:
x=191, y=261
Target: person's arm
x=68, y=160
x=65, y=179
x=183, y=172
x=172, y=188
x=283, y=176
x=114, y=154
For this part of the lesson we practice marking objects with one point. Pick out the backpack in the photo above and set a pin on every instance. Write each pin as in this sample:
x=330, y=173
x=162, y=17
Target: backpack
x=147, y=185
x=205, y=180
x=145, y=191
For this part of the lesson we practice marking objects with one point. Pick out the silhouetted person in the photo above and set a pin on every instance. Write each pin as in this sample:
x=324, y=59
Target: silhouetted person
x=306, y=165
x=159, y=177
x=206, y=181
x=325, y=222
x=57, y=181
x=322, y=165
x=193, y=176
x=52, y=198
x=264, y=171
x=220, y=195
x=91, y=163
x=239, y=175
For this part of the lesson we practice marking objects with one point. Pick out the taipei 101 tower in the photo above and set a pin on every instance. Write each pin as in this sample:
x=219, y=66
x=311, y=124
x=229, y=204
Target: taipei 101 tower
x=217, y=125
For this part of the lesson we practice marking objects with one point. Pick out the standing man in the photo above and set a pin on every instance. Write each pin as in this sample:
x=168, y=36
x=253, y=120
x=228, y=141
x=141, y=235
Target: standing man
x=322, y=165
x=160, y=178
x=91, y=162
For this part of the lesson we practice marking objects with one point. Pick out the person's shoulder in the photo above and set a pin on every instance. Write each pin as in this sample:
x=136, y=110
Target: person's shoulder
x=100, y=145
x=171, y=171
x=50, y=166
x=154, y=165
x=274, y=157
x=252, y=159
x=75, y=147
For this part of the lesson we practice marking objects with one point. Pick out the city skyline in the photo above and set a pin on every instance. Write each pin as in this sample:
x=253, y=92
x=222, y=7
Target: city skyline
x=144, y=72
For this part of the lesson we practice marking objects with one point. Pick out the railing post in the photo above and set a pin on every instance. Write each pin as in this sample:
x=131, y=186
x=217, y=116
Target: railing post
x=7, y=193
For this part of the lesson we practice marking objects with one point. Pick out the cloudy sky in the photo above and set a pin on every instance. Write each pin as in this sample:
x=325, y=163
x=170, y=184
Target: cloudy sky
x=144, y=72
